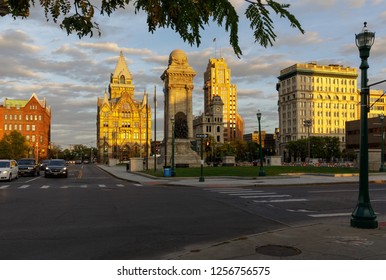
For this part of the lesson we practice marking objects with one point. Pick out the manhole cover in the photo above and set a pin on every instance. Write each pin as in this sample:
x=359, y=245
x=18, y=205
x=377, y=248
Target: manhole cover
x=278, y=250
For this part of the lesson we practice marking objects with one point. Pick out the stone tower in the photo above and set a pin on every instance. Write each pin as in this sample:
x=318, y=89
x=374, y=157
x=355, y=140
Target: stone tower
x=178, y=89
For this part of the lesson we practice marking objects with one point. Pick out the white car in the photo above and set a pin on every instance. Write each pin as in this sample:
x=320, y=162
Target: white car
x=8, y=169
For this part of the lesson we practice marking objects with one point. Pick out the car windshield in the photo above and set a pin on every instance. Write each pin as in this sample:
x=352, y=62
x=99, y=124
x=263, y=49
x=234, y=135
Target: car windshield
x=56, y=163
x=4, y=164
x=26, y=162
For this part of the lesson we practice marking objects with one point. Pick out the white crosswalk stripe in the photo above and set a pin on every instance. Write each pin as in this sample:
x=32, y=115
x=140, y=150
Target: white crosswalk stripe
x=102, y=186
x=266, y=197
x=44, y=187
x=23, y=187
x=4, y=187
x=281, y=200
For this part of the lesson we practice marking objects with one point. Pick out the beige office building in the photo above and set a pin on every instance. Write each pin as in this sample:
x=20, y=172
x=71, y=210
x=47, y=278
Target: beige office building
x=217, y=82
x=316, y=100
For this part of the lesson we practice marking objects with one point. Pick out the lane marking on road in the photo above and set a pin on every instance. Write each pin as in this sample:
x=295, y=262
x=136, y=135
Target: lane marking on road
x=102, y=186
x=64, y=187
x=4, y=187
x=329, y=215
x=281, y=200
x=266, y=196
x=248, y=193
x=300, y=210
x=32, y=179
x=23, y=187
x=232, y=191
x=138, y=185
x=45, y=187
x=83, y=186
x=120, y=185
x=223, y=189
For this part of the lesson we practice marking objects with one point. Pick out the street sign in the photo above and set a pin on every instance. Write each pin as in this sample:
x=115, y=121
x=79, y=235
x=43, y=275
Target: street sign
x=201, y=135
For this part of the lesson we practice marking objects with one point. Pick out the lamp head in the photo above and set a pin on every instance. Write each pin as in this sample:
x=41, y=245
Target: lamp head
x=258, y=115
x=382, y=116
x=365, y=39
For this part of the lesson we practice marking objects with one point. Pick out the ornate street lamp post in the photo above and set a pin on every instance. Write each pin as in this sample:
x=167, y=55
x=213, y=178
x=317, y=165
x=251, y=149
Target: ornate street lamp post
x=363, y=215
x=308, y=124
x=173, y=171
x=382, y=167
x=261, y=172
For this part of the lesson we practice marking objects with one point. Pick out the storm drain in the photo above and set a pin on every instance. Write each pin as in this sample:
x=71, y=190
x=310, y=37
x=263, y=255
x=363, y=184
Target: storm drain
x=278, y=250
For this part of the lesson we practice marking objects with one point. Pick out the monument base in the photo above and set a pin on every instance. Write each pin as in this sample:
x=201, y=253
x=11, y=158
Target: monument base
x=184, y=156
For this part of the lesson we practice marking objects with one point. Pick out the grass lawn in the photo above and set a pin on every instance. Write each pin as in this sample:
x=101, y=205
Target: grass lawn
x=253, y=171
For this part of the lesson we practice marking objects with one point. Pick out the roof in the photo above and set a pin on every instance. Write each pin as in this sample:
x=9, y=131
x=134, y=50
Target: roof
x=15, y=102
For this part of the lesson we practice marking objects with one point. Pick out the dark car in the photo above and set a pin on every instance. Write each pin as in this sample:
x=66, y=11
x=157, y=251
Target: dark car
x=43, y=164
x=28, y=166
x=56, y=168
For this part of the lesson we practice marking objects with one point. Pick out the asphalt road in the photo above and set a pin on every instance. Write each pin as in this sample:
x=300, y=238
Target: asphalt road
x=91, y=215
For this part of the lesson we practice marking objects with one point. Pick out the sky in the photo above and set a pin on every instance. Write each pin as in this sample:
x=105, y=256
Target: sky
x=36, y=56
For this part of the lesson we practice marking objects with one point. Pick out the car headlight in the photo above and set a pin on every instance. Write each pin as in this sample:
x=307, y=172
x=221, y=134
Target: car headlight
x=4, y=171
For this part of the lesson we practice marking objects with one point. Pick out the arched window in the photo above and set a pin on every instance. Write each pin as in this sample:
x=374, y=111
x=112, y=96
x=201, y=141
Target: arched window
x=122, y=79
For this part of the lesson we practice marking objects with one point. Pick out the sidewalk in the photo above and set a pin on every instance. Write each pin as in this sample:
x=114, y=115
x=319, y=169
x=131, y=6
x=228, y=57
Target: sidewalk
x=289, y=179
x=334, y=239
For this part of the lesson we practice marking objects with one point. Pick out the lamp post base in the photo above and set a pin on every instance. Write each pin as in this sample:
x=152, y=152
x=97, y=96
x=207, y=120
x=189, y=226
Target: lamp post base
x=261, y=172
x=364, y=217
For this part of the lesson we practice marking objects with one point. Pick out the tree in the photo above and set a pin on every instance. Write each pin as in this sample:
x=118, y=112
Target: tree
x=186, y=17
x=13, y=146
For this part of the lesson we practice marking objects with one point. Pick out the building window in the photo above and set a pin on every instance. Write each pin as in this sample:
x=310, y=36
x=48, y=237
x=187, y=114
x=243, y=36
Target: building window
x=33, y=127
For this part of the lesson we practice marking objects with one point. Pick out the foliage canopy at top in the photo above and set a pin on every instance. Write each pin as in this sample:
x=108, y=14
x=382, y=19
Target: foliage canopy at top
x=186, y=17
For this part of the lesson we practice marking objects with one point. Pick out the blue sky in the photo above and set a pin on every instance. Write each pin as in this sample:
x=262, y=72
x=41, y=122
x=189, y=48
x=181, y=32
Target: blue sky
x=37, y=56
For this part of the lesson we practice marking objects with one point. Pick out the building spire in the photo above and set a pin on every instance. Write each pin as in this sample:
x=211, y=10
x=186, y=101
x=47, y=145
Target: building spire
x=121, y=68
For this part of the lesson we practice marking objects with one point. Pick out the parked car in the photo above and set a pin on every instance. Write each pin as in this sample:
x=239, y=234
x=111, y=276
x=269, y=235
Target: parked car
x=8, y=169
x=28, y=166
x=56, y=168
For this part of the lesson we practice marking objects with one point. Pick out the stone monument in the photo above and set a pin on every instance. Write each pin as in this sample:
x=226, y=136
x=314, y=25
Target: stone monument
x=178, y=112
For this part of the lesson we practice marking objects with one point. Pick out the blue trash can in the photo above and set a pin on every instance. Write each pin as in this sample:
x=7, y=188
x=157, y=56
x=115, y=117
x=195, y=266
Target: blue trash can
x=167, y=171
